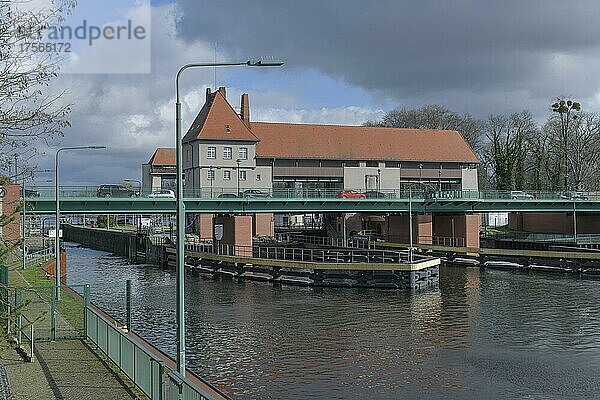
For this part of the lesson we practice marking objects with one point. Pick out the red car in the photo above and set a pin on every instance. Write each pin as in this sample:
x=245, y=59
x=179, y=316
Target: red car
x=351, y=194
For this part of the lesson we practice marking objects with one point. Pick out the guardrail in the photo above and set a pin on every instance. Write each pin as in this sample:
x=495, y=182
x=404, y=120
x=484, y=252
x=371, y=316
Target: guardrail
x=181, y=389
x=32, y=258
x=26, y=331
x=308, y=193
x=324, y=241
x=324, y=255
x=145, y=369
x=132, y=359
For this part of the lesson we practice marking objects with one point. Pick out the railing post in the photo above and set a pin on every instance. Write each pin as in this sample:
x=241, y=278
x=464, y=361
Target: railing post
x=4, y=290
x=53, y=314
x=31, y=332
x=86, y=304
x=19, y=319
x=128, y=303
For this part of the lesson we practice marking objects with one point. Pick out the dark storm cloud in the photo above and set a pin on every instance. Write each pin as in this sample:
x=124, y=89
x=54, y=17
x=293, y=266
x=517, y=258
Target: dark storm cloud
x=417, y=49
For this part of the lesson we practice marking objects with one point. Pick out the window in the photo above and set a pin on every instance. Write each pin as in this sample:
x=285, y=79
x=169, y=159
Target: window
x=258, y=177
x=227, y=153
x=226, y=175
x=211, y=175
x=187, y=155
x=372, y=163
x=211, y=152
x=243, y=155
x=242, y=175
x=227, y=129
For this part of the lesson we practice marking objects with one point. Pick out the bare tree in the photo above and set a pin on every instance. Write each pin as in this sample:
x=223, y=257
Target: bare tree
x=583, y=151
x=434, y=117
x=507, y=152
x=29, y=109
x=560, y=128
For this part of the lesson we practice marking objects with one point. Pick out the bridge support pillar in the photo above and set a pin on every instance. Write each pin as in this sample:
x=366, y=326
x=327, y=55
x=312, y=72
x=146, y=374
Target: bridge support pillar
x=234, y=230
x=396, y=228
x=263, y=224
x=9, y=204
x=205, y=223
x=458, y=230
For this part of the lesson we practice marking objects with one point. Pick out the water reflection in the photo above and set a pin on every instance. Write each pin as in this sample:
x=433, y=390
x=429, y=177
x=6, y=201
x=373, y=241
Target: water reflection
x=483, y=334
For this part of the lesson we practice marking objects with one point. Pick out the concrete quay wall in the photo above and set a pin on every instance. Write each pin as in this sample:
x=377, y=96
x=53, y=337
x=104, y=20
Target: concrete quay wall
x=119, y=243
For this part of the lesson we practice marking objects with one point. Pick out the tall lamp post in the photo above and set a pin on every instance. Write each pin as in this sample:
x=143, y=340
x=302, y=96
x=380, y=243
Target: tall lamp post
x=378, y=181
x=57, y=229
x=180, y=315
x=238, y=176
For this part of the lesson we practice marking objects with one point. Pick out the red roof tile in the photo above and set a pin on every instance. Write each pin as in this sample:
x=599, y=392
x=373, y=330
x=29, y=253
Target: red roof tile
x=163, y=156
x=280, y=140
x=211, y=122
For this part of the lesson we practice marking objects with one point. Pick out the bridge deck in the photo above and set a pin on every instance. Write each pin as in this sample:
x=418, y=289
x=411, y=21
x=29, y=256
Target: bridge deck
x=93, y=205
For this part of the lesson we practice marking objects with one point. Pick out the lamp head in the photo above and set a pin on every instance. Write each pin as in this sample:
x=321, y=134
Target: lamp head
x=265, y=63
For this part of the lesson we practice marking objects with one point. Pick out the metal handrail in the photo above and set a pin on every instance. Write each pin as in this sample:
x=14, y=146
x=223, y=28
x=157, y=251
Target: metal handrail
x=22, y=334
x=383, y=194
x=320, y=255
x=148, y=381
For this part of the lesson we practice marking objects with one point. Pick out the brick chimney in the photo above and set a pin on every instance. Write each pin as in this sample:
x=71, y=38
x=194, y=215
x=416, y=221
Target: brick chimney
x=223, y=91
x=208, y=94
x=245, y=110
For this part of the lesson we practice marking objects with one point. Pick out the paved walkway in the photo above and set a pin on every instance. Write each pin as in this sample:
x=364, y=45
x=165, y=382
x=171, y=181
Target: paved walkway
x=64, y=369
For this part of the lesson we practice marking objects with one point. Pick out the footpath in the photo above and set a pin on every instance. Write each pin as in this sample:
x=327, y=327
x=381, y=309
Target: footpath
x=63, y=369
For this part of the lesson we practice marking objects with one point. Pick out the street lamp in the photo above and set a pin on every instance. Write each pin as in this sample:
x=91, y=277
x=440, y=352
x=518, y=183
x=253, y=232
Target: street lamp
x=180, y=265
x=378, y=181
x=211, y=178
x=238, y=176
x=57, y=230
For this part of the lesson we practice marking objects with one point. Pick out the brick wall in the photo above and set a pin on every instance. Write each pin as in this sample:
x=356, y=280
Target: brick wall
x=11, y=231
x=50, y=267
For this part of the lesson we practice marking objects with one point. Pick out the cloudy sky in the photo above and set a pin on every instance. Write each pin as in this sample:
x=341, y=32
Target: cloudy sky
x=347, y=61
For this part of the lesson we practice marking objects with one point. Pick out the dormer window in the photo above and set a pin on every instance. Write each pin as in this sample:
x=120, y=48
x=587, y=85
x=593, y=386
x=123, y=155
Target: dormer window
x=227, y=129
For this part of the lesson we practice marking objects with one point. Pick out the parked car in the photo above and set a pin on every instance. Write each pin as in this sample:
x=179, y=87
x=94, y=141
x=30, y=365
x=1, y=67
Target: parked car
x=574, y=196
x=162, y=193
x=374, y=194
x=251, y=193
x=227, y=196
x=116, y=191
x=519, y=194
x=351, y=194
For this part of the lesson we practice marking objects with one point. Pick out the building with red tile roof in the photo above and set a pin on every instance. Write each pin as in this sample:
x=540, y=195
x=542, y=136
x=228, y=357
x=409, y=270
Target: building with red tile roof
x=160, y=171
x=225, y=151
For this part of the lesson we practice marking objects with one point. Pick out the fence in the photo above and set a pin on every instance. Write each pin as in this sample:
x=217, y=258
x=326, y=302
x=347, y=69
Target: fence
x=421, y=193
x=323, y=255
x=132, y=359
x=143, y=366
x=43, y=254
x=359, y=243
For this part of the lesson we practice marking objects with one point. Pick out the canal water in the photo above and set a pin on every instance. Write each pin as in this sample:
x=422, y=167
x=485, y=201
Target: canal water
x=482, y=334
